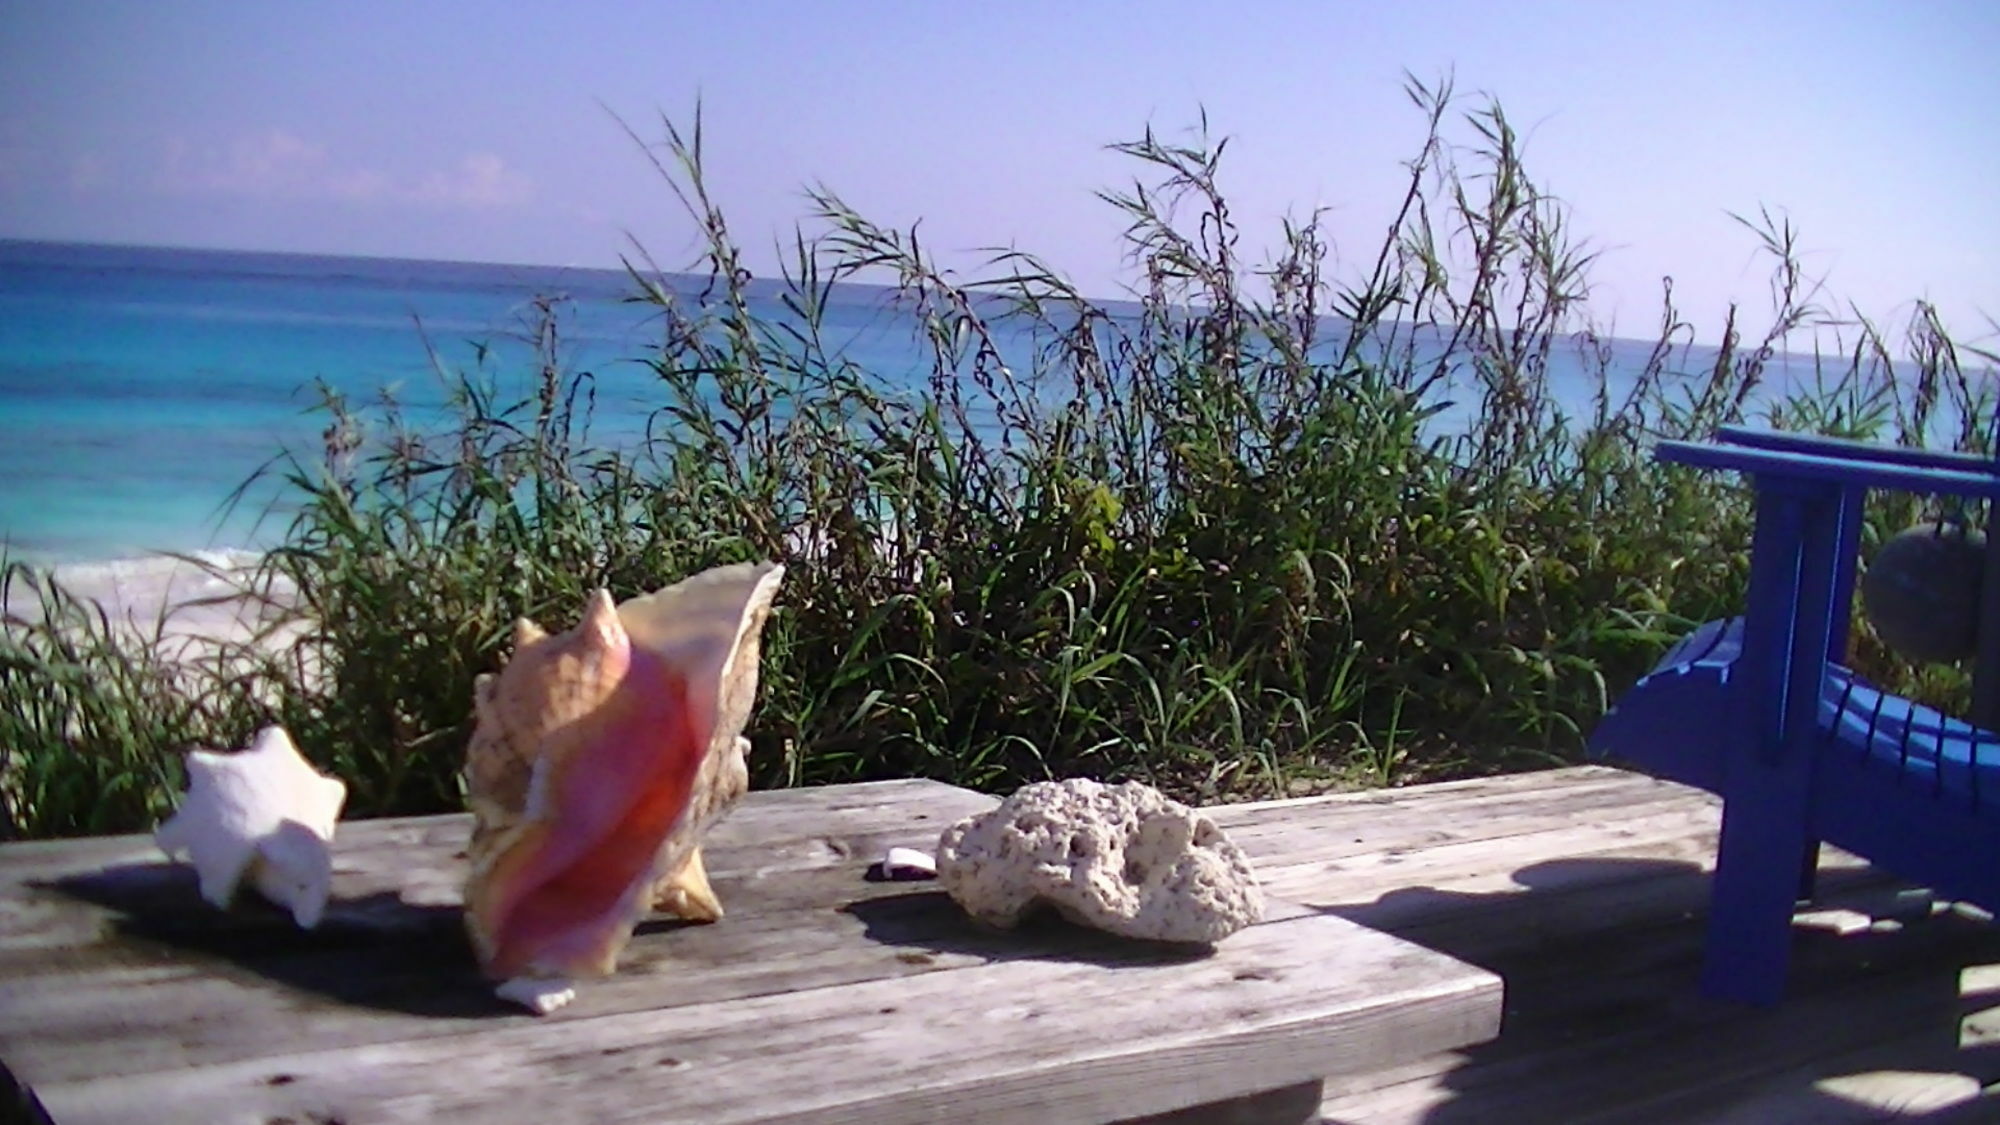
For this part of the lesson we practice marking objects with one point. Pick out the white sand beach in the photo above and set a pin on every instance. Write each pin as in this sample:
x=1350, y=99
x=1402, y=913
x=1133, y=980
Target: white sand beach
x=191, y=609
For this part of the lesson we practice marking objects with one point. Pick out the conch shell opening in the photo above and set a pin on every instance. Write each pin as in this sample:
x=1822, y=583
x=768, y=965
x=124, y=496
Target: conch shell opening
x=600, y=758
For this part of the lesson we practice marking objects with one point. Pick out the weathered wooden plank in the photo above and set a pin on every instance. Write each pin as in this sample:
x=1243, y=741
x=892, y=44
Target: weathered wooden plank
x=1612, y=1031
x=421, y=859
x=1441, y=794
x=382, y=967
x=210, y=997
x=1871, y=1020
x=765, y=815
x=1882, y=1081
x=1287, y=1105
x=1462, y=805
x=804, y=930
x=1328, y=831
x=1373, y=873
x=873, y=806
x=1484, y=913
x=1598, y=849
x=1043, y=1039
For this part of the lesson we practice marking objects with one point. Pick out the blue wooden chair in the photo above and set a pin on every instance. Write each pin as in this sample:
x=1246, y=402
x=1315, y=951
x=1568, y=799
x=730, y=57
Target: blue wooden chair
x=1761, y=710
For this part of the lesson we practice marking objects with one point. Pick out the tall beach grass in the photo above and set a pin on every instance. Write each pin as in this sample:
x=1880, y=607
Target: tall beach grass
x=1221, y=538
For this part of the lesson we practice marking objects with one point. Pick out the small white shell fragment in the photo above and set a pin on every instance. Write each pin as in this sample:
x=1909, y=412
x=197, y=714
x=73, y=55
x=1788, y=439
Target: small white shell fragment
x=540, y=995
x=264, y=814
x=908, y=863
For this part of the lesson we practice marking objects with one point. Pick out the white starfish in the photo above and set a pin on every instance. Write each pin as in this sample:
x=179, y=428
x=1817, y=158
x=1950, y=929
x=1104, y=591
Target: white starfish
x=264, y=812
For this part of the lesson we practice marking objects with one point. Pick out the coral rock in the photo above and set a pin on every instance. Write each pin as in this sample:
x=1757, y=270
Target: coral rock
x=263, y=813
x=600, y=758
x=1119, y=858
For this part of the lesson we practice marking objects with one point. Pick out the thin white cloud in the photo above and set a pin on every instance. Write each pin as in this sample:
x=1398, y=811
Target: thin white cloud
x=361, y=184
x=273, y=161
x=279, y=164
x=480, y=180
x=270, y=163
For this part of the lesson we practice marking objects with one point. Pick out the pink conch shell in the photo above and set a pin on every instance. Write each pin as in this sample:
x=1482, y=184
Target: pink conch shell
x=600, y=758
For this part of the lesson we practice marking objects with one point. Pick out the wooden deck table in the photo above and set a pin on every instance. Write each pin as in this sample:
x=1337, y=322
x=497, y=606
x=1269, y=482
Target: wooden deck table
x=822, y=997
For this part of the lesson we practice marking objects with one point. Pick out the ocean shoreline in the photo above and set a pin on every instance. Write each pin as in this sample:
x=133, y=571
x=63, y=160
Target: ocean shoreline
x=186, y=609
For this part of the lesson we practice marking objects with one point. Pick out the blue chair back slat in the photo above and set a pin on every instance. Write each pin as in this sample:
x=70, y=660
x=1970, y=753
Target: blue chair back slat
x=1851, y=450
x=1847, y=548
x=1980, y=483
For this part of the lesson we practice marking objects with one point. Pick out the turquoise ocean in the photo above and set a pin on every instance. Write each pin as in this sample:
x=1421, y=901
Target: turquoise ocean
x=139, y=387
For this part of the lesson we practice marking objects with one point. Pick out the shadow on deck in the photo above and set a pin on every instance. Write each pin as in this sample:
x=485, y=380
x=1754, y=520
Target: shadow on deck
x=1586, y=889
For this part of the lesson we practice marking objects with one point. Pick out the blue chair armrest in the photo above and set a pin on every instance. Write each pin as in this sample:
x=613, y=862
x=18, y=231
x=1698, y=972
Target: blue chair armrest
x=1812, y=467
x=1847, y=449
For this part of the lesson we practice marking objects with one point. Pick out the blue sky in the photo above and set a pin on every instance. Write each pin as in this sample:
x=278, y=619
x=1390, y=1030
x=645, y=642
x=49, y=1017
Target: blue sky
x=484, y=131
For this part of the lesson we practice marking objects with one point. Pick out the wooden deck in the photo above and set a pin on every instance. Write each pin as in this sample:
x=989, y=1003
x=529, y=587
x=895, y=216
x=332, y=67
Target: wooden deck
x=1585, y=890
x=1582, y=888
